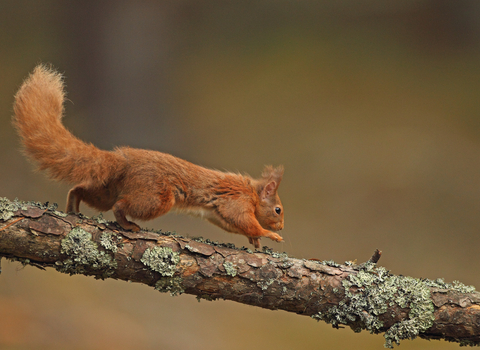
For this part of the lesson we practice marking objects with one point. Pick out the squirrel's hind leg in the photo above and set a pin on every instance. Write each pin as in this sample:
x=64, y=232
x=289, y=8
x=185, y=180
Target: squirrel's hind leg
x=97, y=197
x=119, y=212
x=74, y=197
x=142, y=206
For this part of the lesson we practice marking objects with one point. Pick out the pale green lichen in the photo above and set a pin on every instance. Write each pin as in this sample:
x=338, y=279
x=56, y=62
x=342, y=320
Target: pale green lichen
x=8, y=208
x=230, y=269
x=83, y=254
x=267, y=250
x=60, y=214
x=280, y=255
x=330, y=263
x=286, y=263
x=24, y=262
x=172, y=285
x=99, y=219
x=375, y=290
x=161, y=259
x=455, y=285
x=109, y=240
x=266, y=283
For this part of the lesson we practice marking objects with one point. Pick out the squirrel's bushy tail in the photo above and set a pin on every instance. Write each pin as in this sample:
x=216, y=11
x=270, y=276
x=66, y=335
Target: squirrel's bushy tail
x=38, y=112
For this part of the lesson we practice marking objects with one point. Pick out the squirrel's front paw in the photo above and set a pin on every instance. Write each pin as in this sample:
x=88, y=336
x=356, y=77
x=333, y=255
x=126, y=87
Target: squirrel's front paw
x=275, y=237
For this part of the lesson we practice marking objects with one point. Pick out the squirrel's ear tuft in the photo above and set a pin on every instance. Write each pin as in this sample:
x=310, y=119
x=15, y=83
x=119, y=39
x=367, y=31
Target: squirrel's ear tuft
x=271, y=173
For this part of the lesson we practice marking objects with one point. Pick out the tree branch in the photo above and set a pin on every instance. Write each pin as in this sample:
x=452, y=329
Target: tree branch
x=361, y=296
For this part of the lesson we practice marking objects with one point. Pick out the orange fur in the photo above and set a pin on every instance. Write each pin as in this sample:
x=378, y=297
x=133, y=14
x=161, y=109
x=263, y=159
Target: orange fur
x=139, y=183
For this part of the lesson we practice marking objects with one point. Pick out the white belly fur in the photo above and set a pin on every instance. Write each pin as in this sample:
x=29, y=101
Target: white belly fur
x=196, y=211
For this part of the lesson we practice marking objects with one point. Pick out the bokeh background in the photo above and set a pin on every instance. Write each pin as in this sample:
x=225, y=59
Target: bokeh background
x=373, y=108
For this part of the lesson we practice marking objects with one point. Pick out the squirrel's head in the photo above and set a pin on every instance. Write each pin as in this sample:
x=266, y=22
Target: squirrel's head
x=269, y=211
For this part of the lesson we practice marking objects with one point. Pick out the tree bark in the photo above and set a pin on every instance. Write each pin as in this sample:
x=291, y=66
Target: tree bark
x=361, y=296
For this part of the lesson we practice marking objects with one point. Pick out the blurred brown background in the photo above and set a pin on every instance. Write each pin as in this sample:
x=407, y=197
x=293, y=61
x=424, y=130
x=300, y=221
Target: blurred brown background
x=373, y=108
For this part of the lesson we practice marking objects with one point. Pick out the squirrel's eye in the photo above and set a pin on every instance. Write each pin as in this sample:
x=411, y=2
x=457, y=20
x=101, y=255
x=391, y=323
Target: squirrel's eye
x=278, y=210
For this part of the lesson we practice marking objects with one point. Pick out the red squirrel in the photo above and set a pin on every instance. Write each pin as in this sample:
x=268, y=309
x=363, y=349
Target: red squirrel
x=141, y=184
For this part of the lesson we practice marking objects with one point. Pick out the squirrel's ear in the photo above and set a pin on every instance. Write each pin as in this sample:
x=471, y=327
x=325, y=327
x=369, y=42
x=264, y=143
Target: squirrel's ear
x=269, y=190
x=272, y=177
